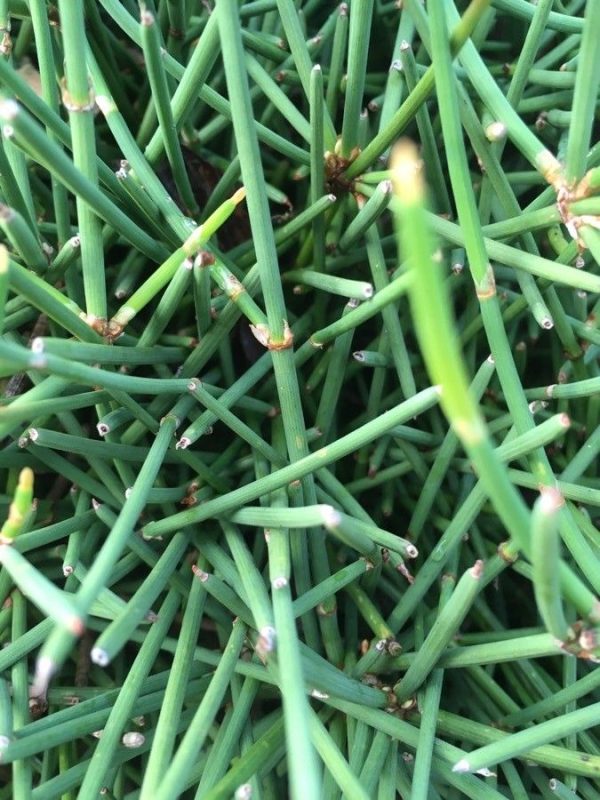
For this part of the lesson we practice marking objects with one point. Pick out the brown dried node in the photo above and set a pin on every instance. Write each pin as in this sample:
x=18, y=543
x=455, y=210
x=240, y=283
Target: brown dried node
x=335, y=167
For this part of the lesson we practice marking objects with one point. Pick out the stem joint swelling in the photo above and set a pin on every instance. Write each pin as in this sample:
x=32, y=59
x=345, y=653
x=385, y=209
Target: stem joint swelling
x=78, y=106
x=486, y=288
x=567, y=201
x=262, y=333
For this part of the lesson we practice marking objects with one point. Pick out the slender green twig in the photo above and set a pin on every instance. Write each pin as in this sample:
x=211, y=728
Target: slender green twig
x=79, y=102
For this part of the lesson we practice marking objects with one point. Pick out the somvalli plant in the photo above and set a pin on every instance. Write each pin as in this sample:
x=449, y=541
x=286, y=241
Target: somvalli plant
x=300, y=403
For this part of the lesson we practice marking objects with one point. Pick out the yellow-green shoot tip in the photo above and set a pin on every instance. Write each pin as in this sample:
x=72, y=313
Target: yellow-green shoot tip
x=238, y=196
x=407, y=173
x=3, y=259
x=26, y=479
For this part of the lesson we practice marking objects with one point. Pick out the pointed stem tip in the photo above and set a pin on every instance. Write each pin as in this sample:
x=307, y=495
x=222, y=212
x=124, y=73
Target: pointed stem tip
x=461, y=766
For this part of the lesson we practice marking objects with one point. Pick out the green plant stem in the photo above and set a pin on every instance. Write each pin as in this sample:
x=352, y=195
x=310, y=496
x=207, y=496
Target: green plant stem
x=518, y=743
x=358, y=49
x=50, y=657
x=302, y=61
x=116, y=635
x=314, y=461
x=434, y=328
x=584, y=98
x=162, y=103
x=49, y=155
x=79, y=102
x=416, y=98
x=445, y=626
x=122, y=709
x=297, y=712
x=22, y=775
x=174, y=779
x=545, y=557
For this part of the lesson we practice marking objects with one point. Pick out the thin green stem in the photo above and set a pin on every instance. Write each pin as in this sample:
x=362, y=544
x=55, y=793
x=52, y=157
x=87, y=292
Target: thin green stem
x=79, y=101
